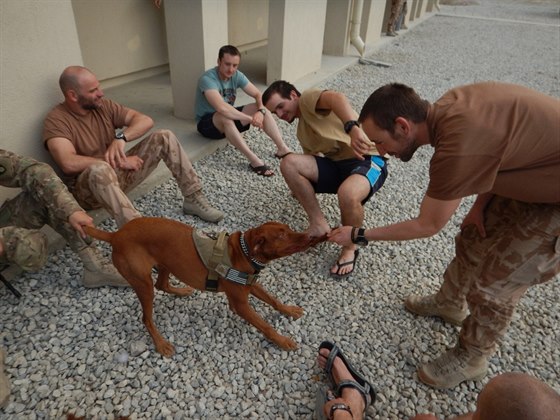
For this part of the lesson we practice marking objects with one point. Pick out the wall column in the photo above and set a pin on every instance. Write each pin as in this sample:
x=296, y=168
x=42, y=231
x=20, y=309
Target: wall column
x=196, y=29
x=295, y=38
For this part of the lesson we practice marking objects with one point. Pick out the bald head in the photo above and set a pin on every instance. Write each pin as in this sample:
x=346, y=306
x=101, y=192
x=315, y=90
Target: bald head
x=70, y=79
x=517, y=395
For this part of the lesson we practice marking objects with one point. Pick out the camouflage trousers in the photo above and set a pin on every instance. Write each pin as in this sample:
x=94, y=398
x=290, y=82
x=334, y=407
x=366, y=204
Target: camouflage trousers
x=490, y=275
x=396, y=8
x=31, y=210
x=102, y=186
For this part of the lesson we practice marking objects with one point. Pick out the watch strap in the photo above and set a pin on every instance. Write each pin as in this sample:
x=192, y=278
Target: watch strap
x=348, y=125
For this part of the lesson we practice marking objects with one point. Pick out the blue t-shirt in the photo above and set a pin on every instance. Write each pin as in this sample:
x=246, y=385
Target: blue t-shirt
x=227, y=88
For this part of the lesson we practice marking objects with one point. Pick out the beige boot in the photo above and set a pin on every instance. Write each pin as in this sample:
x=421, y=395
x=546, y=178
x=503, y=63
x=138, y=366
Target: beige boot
x=4, y=382
x=428, y=306
x=198, y=205
x=453, y=367
x=98, y=270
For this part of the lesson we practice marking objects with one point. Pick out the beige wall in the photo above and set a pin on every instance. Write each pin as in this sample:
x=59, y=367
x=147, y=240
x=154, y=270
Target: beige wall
x=247, y=23
x=119, y=38
x=33, y=53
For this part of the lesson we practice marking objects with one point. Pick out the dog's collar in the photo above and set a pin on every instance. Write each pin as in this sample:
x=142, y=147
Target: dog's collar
x=257, y=265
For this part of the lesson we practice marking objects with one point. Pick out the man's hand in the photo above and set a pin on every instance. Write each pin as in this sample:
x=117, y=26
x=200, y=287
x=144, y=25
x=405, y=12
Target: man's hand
x=115, y=154
x=79, y=219
x=131, y=163
x=360, y=142
x=258, y=120
x=475, y=216
x=341, y=235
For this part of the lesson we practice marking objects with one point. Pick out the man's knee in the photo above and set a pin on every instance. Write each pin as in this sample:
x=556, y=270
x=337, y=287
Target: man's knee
x=27, y=248
x=100, y=173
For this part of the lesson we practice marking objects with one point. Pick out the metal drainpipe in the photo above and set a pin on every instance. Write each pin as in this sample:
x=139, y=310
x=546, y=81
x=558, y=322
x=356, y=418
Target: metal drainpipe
x=355, y=23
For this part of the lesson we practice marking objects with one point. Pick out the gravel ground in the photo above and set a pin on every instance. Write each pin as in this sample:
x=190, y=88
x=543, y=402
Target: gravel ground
x=87, y=352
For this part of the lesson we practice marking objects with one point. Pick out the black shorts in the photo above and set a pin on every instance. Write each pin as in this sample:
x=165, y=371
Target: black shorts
x=332, y=173
x=207, y=128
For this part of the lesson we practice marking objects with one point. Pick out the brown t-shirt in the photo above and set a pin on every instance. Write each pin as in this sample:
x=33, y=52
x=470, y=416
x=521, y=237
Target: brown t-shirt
x=322, y=132
x=90, y=134
x=495, y=137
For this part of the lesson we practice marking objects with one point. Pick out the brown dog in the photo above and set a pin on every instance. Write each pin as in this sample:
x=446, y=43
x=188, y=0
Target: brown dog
x=169, y=245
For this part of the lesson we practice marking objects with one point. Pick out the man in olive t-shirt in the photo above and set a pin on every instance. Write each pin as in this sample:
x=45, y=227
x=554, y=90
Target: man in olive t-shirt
x=501, y=142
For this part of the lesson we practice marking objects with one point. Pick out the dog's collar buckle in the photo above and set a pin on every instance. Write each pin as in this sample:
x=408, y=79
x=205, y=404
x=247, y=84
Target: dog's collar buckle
x=257, y=265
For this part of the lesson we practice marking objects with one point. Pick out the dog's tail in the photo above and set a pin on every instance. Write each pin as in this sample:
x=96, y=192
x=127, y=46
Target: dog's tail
x=98, y=234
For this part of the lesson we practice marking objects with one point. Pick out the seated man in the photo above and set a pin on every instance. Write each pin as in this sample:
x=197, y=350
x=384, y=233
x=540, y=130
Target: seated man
x=45, y=200
x=217, y=117
x=80, y=135
x=326, y=127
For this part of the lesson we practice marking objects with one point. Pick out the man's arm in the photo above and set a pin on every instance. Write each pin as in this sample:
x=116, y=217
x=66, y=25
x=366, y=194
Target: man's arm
x=434, y=215
x=136, y=125
x=64, y=154
x=338, y=103
x=258, y=117
x=217, y=102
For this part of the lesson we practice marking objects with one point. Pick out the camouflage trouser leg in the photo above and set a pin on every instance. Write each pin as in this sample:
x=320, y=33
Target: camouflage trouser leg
x=98, y=186
x=396, y=6
x=25, y=211
x=101, y=185
x=522, y=248
x=463, y=269
x=163, y=145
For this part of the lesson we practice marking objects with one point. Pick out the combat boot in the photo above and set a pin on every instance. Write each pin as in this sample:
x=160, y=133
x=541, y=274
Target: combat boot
x=4, y=382
x=428, y=306
x=197, y=204
x=453, y=367
x=98, y=270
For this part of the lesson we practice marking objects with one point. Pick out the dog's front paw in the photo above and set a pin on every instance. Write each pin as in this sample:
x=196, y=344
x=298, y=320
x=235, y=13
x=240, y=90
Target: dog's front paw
x=293, y=311
x=286, y=343
x=165, y=348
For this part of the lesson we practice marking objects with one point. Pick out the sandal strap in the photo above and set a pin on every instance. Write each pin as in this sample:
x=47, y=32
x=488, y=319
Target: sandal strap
x=364, y=390
x=333, y=354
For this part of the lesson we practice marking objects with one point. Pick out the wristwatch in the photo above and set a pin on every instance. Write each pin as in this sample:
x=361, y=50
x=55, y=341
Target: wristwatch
x=348, y=125
x=359, y=238
x=262, y=111
x=120, y=136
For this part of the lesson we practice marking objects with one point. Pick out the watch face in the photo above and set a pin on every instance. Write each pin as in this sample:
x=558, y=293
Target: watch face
x=361, y=241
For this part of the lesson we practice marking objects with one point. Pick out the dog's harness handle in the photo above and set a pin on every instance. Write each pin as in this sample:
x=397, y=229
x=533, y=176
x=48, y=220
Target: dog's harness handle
x=217, y=269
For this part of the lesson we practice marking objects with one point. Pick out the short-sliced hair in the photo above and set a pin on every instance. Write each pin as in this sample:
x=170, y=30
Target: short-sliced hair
x=228, y=49
x=283, y=88
x=391, y=101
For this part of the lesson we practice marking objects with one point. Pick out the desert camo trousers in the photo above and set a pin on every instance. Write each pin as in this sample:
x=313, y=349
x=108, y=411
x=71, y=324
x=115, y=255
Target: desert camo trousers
x=102, y=186
x=490, y=275
x=396, y=7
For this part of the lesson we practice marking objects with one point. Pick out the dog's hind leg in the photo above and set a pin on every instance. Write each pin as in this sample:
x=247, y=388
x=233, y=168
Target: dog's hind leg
x=162, y=284
x=240, y=305
x=292, y=311
x=146, y=297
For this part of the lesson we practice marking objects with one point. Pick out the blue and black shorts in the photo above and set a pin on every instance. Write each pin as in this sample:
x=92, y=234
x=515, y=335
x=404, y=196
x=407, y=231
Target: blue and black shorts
x=332, y=173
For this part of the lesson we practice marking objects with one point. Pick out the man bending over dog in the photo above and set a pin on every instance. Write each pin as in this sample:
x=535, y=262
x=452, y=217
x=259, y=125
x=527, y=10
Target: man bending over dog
x=326, y=128
x=80, y=135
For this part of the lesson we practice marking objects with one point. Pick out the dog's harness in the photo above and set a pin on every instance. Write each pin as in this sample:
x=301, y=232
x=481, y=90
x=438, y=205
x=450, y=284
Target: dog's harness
x=212, y=249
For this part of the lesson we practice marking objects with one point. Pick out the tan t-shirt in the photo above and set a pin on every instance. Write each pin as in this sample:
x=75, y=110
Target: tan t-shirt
x=495, y=137
x=322, y=132
x=90, y=134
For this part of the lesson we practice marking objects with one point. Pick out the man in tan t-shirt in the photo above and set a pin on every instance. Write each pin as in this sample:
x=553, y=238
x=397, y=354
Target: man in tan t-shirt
x=499, y=141
x=326, y=127
x=81, y=136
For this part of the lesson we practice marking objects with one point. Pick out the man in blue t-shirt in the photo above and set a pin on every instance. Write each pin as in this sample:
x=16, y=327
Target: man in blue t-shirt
x=217, y=117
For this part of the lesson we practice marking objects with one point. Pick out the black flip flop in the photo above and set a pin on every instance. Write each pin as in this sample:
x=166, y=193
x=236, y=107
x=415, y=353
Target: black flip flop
x=261, y=170
x=359, y=383
x=277, y=156
x=339, y=265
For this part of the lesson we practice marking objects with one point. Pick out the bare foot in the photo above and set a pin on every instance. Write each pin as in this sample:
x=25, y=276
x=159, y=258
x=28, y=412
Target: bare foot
x=340, y=372
x=346, y=256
